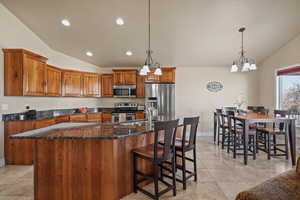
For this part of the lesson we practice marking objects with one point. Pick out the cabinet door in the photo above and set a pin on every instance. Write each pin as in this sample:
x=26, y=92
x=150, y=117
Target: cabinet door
x=78, y=118
x=107, y=85
x=140, y=87
x=34, y=80
x=130, y=77
x=151, y=77
x=53, y=84
x=91, y=85
x=72, y=84
x=119, y=78
x=106, y=117
x=139, y=115
x=168, y=75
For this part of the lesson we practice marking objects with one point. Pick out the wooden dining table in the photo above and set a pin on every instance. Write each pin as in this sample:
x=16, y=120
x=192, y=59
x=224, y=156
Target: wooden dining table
x=252, y=118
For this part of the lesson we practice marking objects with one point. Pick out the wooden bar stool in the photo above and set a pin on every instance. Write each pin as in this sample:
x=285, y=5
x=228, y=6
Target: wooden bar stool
x=157, y=154
x=186, y=143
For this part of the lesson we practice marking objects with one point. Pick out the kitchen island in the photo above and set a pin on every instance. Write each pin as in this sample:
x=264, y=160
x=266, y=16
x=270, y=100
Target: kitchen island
x=86, y=160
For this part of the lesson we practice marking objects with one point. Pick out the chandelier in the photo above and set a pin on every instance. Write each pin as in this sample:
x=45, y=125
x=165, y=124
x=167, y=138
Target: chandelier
x=243, y=64
x=149, y=63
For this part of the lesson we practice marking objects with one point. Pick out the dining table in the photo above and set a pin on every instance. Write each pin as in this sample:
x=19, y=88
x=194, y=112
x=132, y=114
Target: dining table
x=248, y=118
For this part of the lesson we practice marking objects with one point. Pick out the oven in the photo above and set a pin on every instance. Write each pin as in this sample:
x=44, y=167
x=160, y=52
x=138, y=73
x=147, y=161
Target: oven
x=125, y=91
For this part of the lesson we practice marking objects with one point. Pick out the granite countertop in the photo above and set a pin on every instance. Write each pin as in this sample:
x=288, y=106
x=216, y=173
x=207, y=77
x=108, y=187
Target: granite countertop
x=85, y=131
x=48, y=114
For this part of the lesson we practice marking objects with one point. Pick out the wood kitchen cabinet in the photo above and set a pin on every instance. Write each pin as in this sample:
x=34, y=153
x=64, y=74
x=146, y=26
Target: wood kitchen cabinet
x=107, y=85
x=124, y=77
x=72, y=84
x=151, y=77
x=91, y=85
x=106, y=117
x=140, y=86
x=139, y=115
x=168, y=75
x=78, y=118
x=53, y=81
x=94, y=117
x=24, y=73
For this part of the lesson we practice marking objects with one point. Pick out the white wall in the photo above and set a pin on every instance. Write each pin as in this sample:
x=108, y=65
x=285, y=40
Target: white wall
x=288, y=55
x=192, y=97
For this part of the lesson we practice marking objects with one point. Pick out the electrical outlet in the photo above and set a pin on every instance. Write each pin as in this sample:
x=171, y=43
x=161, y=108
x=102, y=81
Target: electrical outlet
x=4, y=106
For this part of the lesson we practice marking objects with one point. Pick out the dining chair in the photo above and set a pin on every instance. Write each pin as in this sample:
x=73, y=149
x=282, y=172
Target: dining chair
x=157, y=153
x=271, y=145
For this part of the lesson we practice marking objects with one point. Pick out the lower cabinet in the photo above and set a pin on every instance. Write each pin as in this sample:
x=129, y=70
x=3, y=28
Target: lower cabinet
x=139, y=115
x=106, y=117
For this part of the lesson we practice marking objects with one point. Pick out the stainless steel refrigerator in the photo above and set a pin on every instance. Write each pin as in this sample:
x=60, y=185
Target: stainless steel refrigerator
x=162, y=97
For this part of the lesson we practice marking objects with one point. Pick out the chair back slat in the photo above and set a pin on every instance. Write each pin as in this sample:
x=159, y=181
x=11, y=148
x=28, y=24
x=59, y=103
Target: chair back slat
x=168, y=128
x=192, y=124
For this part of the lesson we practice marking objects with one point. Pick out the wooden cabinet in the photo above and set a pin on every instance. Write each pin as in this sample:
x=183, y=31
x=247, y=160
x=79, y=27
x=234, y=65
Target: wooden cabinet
x=78, y=118
x=140, y=86
x=72, y=84
x=91, y=85
x=168, y=75
x=62, y=119
x=139, y=115
x=44, y=123
x=94, y=117
x=24, y=73
x=53, y=81
x=106, y=117
x=107, y=85
x=124, y=77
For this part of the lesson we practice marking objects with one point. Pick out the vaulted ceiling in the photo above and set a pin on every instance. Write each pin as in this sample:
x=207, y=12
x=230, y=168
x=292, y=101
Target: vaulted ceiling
x=184, y=32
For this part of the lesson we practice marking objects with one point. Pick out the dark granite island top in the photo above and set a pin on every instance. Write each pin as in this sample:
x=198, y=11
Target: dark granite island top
x=84, y=131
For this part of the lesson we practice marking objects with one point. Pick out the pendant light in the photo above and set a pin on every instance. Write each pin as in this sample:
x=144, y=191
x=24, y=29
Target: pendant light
x=243, y=64
x=149, y=63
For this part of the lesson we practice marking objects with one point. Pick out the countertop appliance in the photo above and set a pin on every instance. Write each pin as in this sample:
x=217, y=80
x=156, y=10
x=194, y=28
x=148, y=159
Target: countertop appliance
x=124, y=112
x=161, y=97
x=125, y=91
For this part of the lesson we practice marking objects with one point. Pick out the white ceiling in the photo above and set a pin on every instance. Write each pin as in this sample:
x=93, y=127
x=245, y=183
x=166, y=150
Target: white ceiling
x=184, y=32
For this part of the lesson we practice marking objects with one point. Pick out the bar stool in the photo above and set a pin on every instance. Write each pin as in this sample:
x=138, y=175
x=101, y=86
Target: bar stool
x=157, y=154
x=182, y=146
x=222, y=127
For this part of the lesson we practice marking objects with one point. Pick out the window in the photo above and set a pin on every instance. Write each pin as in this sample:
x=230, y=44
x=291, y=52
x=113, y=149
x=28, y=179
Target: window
x=288, y=91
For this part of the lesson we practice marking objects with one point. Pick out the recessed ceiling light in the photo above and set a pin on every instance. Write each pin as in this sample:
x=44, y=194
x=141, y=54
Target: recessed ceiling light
x=120, y=21
x=66, y=22
x=129, y=53
x=88, y=53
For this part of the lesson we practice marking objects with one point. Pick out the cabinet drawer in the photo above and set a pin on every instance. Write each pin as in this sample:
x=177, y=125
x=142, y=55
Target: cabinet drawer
x=44, y=123
x=78, y=118
x=62, y=119
x=94, y=116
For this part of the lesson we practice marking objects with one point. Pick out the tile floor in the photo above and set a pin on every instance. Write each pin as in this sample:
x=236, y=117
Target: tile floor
x=220, y=176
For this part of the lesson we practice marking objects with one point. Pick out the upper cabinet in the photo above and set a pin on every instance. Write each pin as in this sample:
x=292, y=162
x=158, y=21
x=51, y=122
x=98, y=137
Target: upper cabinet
x=168, y=76
x=91, y=85
x=140, y=86
x=53, y=81
x=72, y=84
x=124, y=77
x=107, y=85
x=24, y=73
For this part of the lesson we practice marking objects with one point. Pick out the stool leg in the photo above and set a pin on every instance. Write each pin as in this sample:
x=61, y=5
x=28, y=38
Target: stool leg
x=155, y=175
x=134, y=174
x=268, y=146
x=254, y=147
x=183, y=170
x=195, y=164
x=234, y=145
x=275, y=144
x=286, y=145
x=174, y=175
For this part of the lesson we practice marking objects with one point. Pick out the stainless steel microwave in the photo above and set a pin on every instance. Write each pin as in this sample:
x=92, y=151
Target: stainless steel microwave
x=125, y=91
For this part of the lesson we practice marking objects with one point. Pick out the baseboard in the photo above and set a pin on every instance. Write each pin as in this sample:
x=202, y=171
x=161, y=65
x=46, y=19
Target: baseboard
x=2, y=162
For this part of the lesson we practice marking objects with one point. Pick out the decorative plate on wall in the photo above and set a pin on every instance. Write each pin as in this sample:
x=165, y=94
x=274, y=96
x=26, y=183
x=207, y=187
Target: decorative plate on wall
x=214, y=86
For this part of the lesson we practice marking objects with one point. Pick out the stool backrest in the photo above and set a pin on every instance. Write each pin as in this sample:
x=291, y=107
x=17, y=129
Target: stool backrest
x=168, y=128
x=281, y=113
x=220, y=117
x=192, y=124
